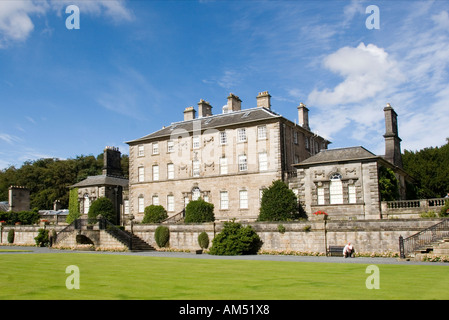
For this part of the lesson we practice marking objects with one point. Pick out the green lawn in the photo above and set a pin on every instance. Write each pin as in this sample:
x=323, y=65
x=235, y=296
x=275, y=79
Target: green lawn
x=42, y=276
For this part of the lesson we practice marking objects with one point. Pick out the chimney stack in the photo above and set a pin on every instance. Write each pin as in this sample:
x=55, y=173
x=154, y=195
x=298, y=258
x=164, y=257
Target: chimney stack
x=303, y=116
x=204, y=109
x=189, y=113
x=112, y=162
x=263, y=100
x=234, y=103
x=392, y=140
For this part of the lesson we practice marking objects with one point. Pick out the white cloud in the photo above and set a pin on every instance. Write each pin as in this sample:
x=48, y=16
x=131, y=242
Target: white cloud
x=366, y=70
x=441, y=20
x=16, y=16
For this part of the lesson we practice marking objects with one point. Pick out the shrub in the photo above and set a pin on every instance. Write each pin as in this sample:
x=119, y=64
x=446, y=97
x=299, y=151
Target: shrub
x=198, y=211
x=11, y=236
x=154, y=214
x=74, y=207
x=162, y=236
x=104, y=207
x=235, y=239
x=203, y=240
x=42, y=238
x=445, y=210
x=279, y=203
x=281, y=228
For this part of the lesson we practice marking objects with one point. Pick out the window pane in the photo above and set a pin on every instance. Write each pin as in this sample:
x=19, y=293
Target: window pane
x=243, y=199
x=170, y=146
x=141, y=151
x=141, y=205
x=352, y=194
x=224, y=202
x=242, y=135
x=223, y=165
x=320, y=193
x=196, y=194
x=170, y=203
x=336, y=190
x=155, y=148
x=223, y=137
x=263, y=161
x=196, y=168
x=141, y=174
x=170, y=171
x=196, y=142
x=242, y=163
x=155, y=173
x=156, y=200
x=262, y=132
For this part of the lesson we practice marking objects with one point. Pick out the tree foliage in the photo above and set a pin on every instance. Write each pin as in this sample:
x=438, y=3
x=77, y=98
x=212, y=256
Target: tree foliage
x=74, y=206
x=199, y=211
x=279, y=203
x=49, y=179
x=102, y=206
x=154, y=214
x=430, y=169
x=388, y=185
x=235, y=239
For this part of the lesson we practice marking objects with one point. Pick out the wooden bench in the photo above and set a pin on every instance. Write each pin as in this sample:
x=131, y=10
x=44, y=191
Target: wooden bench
x=335, y=251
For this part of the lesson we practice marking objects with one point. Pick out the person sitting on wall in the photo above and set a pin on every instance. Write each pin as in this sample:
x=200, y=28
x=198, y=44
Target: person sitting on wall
x=348, y=250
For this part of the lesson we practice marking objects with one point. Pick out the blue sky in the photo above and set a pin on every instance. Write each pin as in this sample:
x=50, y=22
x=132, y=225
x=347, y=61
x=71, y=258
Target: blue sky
x=133, y=66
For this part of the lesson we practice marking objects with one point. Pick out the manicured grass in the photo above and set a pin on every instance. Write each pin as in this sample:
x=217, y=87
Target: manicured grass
x=102, y=276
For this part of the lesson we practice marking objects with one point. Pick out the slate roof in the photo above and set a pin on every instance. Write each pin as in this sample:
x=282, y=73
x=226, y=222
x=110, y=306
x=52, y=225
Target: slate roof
x=4, y=206
x=212, y=122
x=101, y=180
x=339, y=155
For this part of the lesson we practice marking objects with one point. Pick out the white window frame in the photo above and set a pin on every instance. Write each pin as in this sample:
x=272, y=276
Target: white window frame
x=141, y=204
x=223, y=165
x=126, y=206
x=170, y=171
x=155, y=148
x=262, y=132
x=243, y=163
x=263, y=161
x=141, y=150
x=155, y=200
x=141, y=174
x=196, y=142
x=320, y=195
x=241, y=135
x=243, y=199
x=223, y=138
x=170, y=146
x=196, y=168
x=170, y=203
x=155, y=170
x=86, y=203
x=196, y=193
x=352, y=194
x=336, y=189
x=224, y=200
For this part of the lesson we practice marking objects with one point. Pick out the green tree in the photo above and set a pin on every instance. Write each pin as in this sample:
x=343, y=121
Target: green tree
x=388, y=184
x=103, y=206
x=279, y=203
x=235, y=239
x=74, y=206
x=199, y=211
x=154, y=214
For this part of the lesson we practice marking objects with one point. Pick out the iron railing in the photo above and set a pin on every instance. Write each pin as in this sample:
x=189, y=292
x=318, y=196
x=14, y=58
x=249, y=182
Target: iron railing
x=424, y=238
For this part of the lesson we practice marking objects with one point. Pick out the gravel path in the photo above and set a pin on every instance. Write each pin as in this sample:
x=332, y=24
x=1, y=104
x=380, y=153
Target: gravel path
x=364, y=260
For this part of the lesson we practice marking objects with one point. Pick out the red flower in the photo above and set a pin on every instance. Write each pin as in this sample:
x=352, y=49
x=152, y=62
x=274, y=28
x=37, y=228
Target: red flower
x=319, y=212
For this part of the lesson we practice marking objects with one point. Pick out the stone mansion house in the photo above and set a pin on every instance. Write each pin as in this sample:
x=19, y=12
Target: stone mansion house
x=226, y=159
x=229, y=158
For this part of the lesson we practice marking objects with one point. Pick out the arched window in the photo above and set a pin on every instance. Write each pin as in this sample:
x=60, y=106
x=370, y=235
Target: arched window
x=196, y=193
x=86, y=203
x=336, y=189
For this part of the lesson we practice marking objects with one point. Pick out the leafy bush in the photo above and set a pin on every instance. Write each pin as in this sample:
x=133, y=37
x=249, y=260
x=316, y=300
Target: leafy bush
x=198, y=211
x=104, y=207
x=203, y=240
x=11, y=236
x=235, y=239
x=445, y=210
x=154, y=214
x=74, y=206
x=24, y=217
x=279, y=203
x=162, y=236
x=42, y=238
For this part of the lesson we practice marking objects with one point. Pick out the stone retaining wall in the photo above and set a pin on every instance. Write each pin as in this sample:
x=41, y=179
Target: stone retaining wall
x=307, y=236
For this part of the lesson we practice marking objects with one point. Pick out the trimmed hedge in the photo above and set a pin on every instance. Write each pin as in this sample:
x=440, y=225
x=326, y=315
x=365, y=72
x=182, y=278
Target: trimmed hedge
x=199, y=211
x=235, y=239
x=162, y=236
x=154, y=214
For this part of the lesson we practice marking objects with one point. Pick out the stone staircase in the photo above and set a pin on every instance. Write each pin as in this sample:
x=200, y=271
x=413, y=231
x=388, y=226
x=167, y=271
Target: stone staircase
x=137, y=244
x=438, y=248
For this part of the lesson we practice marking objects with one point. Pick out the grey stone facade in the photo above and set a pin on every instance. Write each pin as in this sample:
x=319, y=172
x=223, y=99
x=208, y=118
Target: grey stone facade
x=226, y=158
